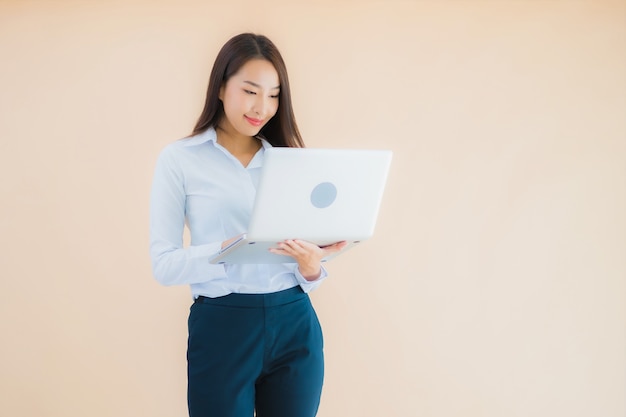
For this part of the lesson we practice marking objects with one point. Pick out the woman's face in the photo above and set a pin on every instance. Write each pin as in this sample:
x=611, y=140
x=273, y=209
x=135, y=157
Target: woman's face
x=250, y=98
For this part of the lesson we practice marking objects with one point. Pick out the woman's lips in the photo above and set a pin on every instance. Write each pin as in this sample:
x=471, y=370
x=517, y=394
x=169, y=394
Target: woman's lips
x=254, y=122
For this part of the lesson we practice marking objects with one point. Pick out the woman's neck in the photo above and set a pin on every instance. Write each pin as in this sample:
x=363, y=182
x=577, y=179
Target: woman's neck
x=240, y=146
x=232, y=140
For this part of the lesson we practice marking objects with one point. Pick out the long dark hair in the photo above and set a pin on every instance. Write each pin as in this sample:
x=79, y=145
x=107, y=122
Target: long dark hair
x=281, y=130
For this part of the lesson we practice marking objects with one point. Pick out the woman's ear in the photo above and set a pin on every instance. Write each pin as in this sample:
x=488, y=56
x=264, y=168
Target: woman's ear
x=221, y=93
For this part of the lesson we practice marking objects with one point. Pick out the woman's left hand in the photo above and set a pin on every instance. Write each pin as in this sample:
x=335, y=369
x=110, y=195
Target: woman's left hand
x=308, y=255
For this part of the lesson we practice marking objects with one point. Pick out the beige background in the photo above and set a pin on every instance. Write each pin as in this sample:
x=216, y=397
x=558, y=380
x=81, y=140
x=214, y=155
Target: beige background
x=495, y=285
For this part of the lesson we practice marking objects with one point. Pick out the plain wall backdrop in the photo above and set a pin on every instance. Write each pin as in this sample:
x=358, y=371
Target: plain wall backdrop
x=495, y=285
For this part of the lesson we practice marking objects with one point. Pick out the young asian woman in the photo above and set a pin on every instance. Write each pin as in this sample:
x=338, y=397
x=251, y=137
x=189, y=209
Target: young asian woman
x=255, y=344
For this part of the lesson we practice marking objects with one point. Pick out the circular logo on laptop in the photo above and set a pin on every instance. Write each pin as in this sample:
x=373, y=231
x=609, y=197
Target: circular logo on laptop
x=323, y=195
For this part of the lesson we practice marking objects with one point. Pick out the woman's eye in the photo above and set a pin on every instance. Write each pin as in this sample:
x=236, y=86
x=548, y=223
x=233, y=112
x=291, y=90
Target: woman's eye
x=276, y=96
x=249, y=92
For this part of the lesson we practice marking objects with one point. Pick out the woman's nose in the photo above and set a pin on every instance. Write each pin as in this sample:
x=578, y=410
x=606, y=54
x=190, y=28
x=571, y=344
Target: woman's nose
x=260, y=105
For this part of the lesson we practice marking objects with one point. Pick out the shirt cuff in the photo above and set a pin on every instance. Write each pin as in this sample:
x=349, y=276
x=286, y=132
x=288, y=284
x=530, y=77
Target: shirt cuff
x=306, y=284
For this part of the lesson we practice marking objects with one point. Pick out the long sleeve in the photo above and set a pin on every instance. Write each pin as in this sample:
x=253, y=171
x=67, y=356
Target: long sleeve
x=171, y=263
x=198, y=183
x=308, y=286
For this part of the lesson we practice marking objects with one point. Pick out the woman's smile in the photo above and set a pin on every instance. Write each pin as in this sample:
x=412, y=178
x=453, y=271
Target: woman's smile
x=253, y=121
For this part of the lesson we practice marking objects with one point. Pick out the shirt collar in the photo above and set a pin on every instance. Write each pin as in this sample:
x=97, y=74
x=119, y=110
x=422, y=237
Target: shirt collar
x=199, y=139
x=210, y=135
x=266, y=144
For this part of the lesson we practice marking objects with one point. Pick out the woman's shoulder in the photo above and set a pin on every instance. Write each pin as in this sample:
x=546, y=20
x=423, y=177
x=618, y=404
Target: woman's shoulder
x=187, y=143
x=172, y=151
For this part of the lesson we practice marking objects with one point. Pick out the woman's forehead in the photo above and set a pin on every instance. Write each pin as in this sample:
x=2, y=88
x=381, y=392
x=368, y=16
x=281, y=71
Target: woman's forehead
x=258, y=73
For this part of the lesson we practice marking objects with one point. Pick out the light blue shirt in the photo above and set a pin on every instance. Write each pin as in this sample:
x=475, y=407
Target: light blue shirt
x=199, y=183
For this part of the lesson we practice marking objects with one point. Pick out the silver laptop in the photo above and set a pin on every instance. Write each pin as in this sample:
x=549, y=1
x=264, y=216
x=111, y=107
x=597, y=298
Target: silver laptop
x=318, y=195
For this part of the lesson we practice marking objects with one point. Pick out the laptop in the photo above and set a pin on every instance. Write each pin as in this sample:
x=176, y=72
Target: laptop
x=319, y=195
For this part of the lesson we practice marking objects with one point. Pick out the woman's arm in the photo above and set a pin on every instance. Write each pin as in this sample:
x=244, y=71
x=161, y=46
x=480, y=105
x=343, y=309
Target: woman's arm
x=172, y=264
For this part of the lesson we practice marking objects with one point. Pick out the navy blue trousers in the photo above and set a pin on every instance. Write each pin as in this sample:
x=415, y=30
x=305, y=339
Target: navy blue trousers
x=250, y=352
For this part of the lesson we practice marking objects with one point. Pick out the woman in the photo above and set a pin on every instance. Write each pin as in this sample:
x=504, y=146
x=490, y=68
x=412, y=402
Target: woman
x=255, y=343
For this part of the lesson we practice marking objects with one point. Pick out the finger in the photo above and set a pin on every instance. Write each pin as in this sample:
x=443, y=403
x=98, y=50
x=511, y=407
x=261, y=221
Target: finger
x=300, y=247
x=301, y=243
x=277, y=251
x=341, y=243
x=289, y=247
x=282, y=248
x=335, y=247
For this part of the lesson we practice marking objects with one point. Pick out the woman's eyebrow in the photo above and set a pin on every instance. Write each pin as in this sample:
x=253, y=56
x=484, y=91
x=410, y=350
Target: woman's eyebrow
x=258, y=86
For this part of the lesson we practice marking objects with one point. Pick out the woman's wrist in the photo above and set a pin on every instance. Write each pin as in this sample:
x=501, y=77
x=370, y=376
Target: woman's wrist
x=310, y=274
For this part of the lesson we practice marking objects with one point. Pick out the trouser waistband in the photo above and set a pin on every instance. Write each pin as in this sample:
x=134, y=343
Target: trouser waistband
x=256, y=300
